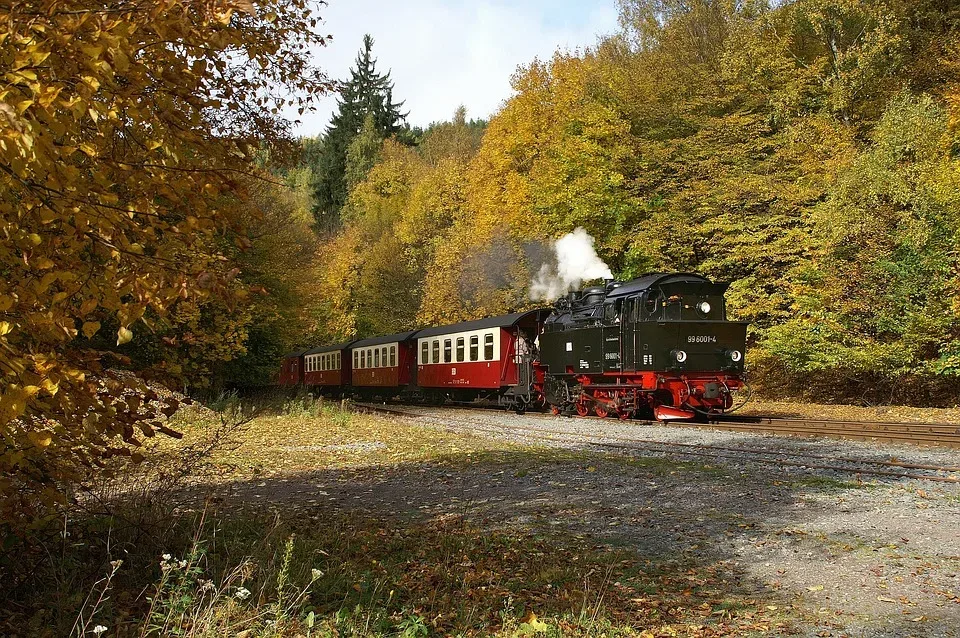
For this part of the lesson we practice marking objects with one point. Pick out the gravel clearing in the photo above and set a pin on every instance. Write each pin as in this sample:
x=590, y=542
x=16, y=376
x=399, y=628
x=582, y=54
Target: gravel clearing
x=840, y=554
x=861, y=555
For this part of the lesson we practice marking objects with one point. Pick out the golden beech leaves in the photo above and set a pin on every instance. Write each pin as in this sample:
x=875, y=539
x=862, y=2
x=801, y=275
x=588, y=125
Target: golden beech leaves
x=122, y=136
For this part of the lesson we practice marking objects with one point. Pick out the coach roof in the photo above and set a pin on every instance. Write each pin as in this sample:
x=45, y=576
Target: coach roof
x=334, y=348
x=376, y=341
x=503, y=321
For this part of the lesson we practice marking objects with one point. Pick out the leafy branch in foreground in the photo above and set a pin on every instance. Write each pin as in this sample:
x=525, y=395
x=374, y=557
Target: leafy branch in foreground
x=124, y=132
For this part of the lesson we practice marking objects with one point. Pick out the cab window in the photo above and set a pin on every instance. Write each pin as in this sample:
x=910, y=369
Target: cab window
x=651, y=303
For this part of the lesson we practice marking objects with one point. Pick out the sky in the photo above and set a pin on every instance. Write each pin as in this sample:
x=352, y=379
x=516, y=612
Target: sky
x=444, y=53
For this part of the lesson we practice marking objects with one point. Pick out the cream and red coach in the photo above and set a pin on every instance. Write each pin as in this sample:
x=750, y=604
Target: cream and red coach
x=383, y=365
x=327, y=366
x=483, y=358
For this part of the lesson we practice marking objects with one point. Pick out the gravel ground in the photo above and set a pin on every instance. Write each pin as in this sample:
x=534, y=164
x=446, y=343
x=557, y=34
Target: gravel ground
x=859, y=556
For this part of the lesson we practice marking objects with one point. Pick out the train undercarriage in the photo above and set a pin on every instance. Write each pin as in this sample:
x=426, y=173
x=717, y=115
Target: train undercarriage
x=647, y=395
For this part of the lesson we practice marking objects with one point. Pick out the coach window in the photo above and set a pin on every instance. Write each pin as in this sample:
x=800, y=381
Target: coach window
x=474, y=348
x=488, y=347
x=383, y=355
x=425, y=353
x=337, y=361
x=459, y=349
x=393, y=356
x=376, y=358
x=447, y=350
x=436, y=351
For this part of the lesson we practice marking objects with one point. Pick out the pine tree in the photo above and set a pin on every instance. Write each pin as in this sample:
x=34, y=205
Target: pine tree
x=367, y=93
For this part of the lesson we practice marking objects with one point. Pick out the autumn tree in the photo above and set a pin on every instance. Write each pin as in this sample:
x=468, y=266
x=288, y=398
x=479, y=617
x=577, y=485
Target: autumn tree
x=125, y=132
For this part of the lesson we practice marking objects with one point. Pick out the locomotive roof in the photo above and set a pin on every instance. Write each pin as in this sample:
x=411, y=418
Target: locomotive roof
x=659, y=279
x=503, y=321
x=375, y=341
x=333, y=348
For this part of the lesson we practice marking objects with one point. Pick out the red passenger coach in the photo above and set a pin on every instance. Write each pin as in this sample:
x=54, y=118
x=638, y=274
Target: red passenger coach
x=383, y=362
x=486, y=354
x=327, y=366
x=291, y=369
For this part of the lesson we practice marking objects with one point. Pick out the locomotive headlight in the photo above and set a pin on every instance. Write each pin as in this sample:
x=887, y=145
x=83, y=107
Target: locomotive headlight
x=704, y=307
x=680, y=355
x=735, y=356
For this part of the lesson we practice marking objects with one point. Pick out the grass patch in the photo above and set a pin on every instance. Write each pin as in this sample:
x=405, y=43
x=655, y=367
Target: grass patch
x=303, y=434
x=223, y=573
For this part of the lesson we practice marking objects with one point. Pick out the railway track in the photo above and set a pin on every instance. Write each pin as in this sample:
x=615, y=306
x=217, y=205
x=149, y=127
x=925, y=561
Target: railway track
x=932, y=434
x=938, y=434
x=891, y=468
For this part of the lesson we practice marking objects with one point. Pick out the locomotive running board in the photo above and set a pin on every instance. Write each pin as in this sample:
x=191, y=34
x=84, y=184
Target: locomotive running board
x=668, y=413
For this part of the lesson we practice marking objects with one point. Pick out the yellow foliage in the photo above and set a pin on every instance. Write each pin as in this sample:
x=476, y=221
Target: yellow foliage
x=120, y=133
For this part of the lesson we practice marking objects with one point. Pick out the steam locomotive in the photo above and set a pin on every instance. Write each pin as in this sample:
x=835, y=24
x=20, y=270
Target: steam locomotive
x=658, y=346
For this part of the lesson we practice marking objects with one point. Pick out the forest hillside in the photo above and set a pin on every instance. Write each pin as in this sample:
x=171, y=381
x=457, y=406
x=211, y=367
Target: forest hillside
x=805, y=152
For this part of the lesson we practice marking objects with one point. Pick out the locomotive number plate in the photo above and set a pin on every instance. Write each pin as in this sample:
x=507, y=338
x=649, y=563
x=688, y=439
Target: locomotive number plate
x=701, y=339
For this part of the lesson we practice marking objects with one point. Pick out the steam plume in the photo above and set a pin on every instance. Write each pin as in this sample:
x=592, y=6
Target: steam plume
x=576, y=261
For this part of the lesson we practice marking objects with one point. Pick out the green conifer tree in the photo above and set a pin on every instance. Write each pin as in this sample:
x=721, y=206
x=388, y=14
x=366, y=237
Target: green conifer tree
x=367, y=92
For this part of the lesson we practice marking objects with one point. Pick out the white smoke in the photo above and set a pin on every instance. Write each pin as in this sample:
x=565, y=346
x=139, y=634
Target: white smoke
x=576, y=262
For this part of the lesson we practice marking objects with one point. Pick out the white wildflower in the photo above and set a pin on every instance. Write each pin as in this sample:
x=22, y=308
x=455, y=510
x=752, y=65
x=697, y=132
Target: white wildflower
x=116, y=563
x=316, y=573
x=243, y=593
x=182, y=564
x=99, y=629
x=166, y=557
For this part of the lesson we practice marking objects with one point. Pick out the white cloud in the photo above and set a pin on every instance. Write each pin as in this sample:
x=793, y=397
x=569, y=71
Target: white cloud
x=445, y=53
